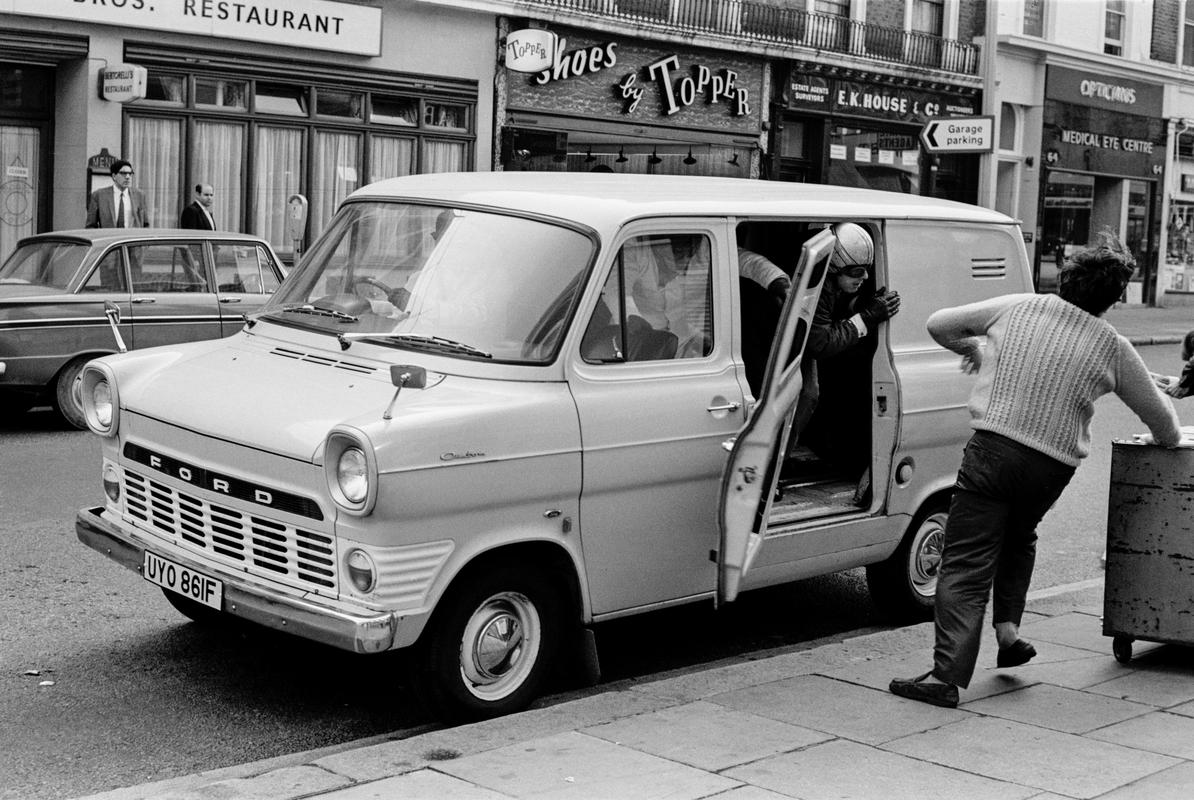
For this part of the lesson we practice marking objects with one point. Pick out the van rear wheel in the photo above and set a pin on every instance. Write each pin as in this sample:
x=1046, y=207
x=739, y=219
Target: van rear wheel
x=491, y=644
x=906, y=583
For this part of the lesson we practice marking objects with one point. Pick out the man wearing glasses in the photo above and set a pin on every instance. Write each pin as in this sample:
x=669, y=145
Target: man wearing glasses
x=118, y=206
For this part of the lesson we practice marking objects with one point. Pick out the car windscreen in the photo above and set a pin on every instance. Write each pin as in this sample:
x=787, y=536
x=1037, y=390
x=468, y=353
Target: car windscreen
x=455, y=281
x=47, y=264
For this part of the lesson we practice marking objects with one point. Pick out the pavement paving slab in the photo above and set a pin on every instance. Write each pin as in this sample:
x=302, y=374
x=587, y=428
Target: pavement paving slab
x=1158, y=732
x=1169, y=784
x=1058, y=708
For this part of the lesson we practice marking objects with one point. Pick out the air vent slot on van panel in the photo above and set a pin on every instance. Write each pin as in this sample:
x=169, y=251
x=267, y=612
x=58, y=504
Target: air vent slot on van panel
x=326, y=361
x=988, y=268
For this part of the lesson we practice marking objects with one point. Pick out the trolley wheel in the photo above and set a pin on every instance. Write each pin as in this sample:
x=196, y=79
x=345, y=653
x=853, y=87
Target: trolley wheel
x=1121, y=646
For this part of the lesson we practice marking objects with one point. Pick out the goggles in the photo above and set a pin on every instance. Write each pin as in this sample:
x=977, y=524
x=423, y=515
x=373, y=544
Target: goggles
x=857, y=271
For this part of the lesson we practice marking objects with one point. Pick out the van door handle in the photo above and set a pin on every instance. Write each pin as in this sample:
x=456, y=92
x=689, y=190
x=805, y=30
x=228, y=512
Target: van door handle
x=730, y=406
x=229, y=299
x=144, y=300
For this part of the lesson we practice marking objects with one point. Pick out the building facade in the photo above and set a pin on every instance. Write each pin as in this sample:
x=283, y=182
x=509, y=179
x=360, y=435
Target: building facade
x=264, y=100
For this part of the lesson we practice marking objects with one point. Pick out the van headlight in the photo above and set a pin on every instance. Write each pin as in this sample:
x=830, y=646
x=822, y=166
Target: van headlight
x=351, y=470
x=101, y=401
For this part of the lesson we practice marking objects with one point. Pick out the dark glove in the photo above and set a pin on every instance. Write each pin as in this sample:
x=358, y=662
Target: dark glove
x=883, y=306
x=779, y=289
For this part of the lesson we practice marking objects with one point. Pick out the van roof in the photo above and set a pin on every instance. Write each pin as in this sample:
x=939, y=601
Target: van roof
x=602, y=199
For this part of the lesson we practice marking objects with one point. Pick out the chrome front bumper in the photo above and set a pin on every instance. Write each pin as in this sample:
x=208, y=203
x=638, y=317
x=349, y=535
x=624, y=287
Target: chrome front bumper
x=366, y=632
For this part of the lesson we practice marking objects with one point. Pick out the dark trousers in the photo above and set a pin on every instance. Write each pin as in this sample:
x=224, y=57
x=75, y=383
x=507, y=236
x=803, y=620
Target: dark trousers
x=1003, y=490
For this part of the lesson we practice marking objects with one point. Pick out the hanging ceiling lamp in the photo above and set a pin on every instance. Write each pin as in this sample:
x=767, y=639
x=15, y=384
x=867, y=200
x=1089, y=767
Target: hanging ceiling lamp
x=688, y=159
x=654, y=157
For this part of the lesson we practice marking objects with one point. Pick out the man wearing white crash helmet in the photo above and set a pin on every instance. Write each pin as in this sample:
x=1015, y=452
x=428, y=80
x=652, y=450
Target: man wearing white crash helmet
x=843, y=319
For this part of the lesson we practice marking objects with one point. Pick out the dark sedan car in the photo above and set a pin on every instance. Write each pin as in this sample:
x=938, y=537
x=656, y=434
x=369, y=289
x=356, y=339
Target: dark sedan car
x=167, y=286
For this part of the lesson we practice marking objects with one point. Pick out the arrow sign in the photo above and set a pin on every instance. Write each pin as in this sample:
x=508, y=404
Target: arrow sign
x=959, y=135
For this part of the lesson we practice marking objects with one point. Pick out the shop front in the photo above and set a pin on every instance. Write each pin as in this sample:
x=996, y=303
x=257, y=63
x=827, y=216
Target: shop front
x=1103, y=149
x=599, y=102
x=844, y=128
x=265, y=101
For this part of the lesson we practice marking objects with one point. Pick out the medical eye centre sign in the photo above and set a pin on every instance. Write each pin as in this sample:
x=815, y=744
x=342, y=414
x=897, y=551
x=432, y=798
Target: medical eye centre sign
x=317, y=24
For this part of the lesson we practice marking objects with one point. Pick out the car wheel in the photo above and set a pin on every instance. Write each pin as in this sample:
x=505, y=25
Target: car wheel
x=491, y=644
x=194, y=611
x=906, y=583
x=68, y=401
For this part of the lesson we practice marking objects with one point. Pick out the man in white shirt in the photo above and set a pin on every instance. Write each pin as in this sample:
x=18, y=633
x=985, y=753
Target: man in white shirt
x=118, y=206
x=197, y=215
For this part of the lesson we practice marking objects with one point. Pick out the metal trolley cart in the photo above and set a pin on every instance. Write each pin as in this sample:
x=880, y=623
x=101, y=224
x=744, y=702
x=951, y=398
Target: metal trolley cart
x=1149, y=587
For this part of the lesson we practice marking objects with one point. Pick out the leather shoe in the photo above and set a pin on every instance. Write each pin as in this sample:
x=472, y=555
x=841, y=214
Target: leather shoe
x=937, y=694
x=1017, y=653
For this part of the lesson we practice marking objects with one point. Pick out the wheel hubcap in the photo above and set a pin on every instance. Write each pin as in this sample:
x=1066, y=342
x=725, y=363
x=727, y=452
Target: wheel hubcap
x=926, y=555
x=500, y=645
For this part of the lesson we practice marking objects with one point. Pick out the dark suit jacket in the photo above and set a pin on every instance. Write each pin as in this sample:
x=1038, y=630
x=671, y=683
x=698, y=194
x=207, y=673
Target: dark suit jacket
x=193, y=217
x=101, y=211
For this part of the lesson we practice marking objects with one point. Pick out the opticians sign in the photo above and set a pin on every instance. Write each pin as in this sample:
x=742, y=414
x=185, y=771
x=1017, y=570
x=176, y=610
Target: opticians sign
x=317, y=24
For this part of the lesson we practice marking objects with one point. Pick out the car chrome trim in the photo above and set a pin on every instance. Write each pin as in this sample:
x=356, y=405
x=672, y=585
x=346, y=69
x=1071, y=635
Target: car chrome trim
x=356, y=630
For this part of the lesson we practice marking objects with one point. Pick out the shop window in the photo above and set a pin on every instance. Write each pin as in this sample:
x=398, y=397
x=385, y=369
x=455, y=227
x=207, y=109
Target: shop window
x=1113, y=28
x=281, y=98
x=1188, y=34
x=445, y=115
x=170, y=89
x=390, y=157
x=218, y=158
x=155, y=150
x=1065, y=223
x=332, y=103
x=20, y=195
x=395, y=111
x=1034, y=17
x=873, y=159
x=221, y=94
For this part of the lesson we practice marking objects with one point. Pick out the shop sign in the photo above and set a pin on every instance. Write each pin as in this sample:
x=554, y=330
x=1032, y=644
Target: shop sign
x=530, y=50
x=317, y=24
x=959, y=135
x=123, y=83
x=1111, y=92
x=676, y=87
x=1096, y=140
x=856, y=98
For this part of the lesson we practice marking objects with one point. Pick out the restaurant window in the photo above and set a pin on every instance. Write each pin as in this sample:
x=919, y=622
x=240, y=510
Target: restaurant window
x=260, y=141
x=1113, y=28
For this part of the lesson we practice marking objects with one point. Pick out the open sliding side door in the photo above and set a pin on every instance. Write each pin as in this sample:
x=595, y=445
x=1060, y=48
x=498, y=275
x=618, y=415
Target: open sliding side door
x=748, y=482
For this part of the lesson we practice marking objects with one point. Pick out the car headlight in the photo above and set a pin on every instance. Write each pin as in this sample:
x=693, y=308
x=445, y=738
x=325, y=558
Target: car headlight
x=351, y=470
x=100, y=398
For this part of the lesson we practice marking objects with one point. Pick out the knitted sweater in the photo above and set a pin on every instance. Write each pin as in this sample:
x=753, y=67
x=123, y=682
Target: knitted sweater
x=1044, y=364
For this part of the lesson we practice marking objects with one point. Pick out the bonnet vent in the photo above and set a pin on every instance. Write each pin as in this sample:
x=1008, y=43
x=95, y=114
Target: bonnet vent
x=988, y=268
x=325, y=361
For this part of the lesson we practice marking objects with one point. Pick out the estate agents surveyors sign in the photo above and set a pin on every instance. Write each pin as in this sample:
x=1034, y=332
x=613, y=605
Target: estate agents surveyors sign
x=959, y=135
x=317, y=24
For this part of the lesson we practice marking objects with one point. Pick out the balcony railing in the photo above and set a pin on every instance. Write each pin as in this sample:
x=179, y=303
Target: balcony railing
x=773, y=25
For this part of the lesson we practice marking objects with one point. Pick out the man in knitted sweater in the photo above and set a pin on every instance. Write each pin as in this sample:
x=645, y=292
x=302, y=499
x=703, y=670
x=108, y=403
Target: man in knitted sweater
x=1045, y=361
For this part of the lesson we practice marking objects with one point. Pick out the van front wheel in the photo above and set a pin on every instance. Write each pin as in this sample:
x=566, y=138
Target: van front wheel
x=906, y=583
x=491, y=645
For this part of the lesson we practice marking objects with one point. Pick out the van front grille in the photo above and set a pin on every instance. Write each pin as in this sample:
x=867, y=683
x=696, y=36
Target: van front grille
x=263, y=547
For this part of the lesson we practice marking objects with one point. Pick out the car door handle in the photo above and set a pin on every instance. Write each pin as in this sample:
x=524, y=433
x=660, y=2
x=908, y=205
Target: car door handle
x=229, y=299
x=731, y=406
x=145, y=299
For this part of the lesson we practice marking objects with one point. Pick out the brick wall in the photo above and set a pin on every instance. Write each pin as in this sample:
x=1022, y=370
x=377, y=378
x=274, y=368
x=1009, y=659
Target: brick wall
x=888, y=13
x=1166, y=24
x=972, y=16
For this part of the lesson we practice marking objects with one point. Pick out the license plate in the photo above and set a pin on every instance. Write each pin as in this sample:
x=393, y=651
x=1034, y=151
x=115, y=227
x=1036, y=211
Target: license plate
x=187, y=582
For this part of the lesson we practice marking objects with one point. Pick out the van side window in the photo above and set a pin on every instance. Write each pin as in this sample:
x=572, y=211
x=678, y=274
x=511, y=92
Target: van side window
x=657, y=303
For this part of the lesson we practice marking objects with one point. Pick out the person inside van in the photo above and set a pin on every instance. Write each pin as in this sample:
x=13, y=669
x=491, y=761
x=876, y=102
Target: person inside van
x=1047, y=358
x=843, y=320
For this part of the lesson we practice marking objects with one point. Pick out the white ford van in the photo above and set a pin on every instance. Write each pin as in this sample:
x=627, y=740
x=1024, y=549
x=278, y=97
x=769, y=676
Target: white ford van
x=489, y=410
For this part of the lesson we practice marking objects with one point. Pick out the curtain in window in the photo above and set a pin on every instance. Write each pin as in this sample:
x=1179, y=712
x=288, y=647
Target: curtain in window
x=155, y=151
x=18, y=192
x=218, y=158
x=336, y=174
x=390, y=157
x=443, y=156
x=277, y=174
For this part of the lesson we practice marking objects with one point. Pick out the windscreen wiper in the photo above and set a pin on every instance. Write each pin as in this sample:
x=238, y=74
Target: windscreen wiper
x=307, y=308
x=416, y=341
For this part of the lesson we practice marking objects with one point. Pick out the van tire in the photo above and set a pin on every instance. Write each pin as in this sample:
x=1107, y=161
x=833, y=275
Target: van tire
x=67, y=401
x=905, y=585
x=491, y=643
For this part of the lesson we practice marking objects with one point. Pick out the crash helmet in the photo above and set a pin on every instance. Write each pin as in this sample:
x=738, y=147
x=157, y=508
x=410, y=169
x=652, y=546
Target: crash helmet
x=854, y=248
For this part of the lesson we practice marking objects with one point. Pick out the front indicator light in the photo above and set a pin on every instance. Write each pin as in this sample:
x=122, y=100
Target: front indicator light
x=361, y=570
x=352, y=473
x=111, y=480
